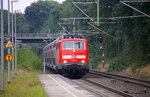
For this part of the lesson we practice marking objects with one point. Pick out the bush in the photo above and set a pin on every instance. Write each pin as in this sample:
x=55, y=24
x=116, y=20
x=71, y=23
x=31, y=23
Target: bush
x=27, y=59
x=118, y=65
x=94, y=63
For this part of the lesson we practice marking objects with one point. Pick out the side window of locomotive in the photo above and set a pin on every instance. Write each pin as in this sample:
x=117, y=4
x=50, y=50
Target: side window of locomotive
x=78, y=45
x=68, y=45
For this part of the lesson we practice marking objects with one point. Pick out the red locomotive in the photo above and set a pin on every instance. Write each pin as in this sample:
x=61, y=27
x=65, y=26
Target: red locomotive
x=68, y=55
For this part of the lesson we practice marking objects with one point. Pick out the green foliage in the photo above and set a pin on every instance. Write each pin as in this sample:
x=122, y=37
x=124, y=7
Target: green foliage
x=94, y=52
x=38, y=15
x=27, y=59
x=133, y=33
x=119, y=64
x=21, y=23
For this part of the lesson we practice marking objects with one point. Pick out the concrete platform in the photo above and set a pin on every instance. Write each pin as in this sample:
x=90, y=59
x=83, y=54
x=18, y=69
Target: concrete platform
x=58, y=86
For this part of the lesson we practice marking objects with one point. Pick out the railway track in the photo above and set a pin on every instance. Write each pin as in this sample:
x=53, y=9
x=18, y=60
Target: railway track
x=122, y=78
x=122, y=85
x=109, y=88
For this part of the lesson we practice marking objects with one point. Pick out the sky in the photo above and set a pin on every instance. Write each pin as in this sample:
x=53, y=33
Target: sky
x=22, y=4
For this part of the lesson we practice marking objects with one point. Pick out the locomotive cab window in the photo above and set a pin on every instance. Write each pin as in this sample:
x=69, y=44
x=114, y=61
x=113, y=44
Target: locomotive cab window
x=73, y=45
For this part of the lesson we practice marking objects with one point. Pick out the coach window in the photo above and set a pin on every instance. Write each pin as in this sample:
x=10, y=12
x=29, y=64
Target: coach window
x=49, y=53
x=57, y=46
x=49, y=60
x=54, y=44
x=52, y=54
x=53, y=60
x=50, y=46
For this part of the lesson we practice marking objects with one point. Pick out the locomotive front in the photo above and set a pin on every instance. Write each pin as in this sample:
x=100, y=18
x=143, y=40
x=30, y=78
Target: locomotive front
x=74, y=56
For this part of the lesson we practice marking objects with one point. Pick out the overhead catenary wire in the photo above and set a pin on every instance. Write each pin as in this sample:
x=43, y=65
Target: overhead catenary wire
x=63, y=28
x=125, y=17
x=102, y=31
x=135, y=9
x=85, y=3
x=135, y=1
x=82, y=11
x=109, y=18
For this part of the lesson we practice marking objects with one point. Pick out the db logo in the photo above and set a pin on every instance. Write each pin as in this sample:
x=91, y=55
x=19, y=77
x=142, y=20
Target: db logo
x=74, y=57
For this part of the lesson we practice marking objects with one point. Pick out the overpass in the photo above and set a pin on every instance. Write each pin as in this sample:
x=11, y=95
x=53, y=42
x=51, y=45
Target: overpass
x=34, y=37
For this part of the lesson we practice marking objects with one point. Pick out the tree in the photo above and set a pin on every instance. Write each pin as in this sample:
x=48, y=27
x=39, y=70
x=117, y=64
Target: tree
x=22, y=24
x=51, y=24
x=38, y=13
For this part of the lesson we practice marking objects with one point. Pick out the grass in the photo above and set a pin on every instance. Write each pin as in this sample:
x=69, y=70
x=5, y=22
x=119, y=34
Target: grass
x=24, y=84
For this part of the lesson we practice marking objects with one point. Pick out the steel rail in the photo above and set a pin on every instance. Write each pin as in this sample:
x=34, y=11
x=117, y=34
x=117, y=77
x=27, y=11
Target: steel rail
x=108, y=88
x=122, y=78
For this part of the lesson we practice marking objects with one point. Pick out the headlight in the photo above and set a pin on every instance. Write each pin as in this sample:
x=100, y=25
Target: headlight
x=82, y=61
x=65, y=61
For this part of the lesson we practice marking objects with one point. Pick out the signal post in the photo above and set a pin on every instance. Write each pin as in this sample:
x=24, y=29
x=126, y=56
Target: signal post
x=101, y=40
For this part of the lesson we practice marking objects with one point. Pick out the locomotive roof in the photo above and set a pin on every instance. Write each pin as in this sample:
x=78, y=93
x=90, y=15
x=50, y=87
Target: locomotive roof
x=67, y=37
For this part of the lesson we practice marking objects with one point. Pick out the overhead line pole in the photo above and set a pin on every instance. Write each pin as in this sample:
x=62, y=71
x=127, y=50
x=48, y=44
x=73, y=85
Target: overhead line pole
x=97, y=12
x=12, y=33
x=2, y=50
x=13, y=64
x=74, y=27
x=16, y=11
x=8, y=80
x=15, y=44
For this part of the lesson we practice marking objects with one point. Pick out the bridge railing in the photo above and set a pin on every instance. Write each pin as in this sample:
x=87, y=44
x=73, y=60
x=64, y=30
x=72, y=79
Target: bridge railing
x=34, y=35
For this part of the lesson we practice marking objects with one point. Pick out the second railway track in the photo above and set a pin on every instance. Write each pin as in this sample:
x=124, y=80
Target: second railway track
x=122, y=78
x=125, y=86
